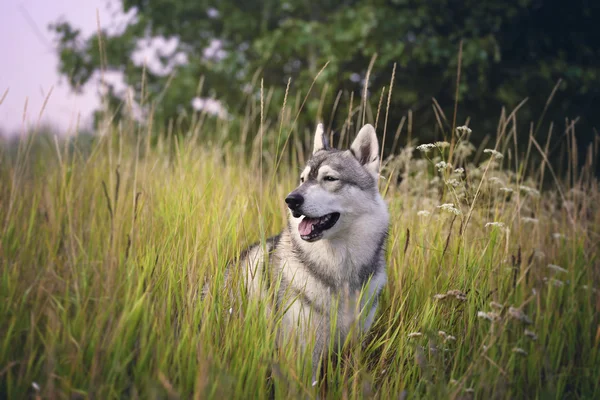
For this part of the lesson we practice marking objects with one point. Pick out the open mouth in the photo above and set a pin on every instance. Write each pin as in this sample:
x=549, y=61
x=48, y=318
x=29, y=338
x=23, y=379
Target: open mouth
x=311, y=229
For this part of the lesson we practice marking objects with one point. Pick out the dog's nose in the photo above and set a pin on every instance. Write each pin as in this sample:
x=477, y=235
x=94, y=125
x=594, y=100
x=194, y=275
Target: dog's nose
x=294, y=201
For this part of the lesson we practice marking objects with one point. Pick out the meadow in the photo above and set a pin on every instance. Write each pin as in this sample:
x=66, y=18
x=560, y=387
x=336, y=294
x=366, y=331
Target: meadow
x=493, y=265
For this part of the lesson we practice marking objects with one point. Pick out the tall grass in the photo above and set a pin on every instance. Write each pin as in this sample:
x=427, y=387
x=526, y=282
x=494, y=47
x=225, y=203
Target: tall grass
x=104, y=251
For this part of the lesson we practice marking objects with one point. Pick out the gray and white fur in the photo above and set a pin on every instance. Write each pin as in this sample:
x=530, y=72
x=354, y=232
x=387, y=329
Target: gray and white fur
x=317, y=267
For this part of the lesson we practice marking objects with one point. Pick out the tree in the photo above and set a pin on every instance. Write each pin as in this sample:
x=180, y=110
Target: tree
x=511, y=50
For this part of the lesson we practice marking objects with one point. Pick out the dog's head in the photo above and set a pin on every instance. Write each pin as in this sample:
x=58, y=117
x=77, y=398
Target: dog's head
x=337, y=187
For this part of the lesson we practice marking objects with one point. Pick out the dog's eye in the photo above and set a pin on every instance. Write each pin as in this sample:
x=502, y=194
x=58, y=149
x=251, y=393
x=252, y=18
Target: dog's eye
x=301, y=179
x=330, y=179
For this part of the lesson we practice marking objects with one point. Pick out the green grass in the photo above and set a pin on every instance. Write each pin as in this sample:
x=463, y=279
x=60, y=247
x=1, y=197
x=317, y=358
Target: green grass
x=104, y=252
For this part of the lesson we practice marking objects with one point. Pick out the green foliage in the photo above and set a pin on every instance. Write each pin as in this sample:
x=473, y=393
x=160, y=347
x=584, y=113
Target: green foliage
x=511, y=50
x=105, y=244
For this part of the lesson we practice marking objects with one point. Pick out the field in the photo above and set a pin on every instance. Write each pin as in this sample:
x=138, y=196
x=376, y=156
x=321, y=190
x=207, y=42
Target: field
x=105, y=247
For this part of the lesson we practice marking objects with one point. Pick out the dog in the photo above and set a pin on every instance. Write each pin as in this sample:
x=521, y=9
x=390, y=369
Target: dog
x=330, y=259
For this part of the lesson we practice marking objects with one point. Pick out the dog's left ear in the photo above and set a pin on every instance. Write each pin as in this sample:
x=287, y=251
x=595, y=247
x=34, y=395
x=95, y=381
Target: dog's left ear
x=321, y=142
x=366, y=148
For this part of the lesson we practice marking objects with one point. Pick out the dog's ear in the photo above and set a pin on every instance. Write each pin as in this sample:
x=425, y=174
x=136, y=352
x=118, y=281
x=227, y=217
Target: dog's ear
x=321, y=142
x=366, y=148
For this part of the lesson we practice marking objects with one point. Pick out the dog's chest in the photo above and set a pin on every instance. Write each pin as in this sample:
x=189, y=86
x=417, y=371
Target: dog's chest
x=326, y=293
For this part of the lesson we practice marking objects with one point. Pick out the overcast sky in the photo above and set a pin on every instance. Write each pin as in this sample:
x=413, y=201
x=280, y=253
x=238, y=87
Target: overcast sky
x=28, y=65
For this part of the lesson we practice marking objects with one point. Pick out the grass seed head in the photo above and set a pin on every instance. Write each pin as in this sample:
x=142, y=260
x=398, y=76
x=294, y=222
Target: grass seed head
x=530, y=334
x=495, y=154
x=530, y=191
x=520, y=351
x=519, y=315
x=529, y=220
x=490, y=316
x=556, y=268
x=499, y=225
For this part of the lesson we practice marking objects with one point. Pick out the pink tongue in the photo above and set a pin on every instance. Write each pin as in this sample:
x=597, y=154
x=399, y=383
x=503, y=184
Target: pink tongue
x=305, y=226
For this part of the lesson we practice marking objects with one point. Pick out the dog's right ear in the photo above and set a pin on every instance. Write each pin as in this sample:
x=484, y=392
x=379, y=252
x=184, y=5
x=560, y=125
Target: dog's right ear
x=321, y=142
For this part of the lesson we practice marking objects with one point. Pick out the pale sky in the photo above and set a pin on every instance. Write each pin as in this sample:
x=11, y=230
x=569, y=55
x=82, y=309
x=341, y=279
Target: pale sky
x=29, y=65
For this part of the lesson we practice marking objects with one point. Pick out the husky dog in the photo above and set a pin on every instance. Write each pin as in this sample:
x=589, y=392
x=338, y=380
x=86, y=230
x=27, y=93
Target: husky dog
x=332, y=248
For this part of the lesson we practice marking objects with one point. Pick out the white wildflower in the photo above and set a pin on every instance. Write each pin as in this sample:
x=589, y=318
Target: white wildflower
x=506, y=190
x=442, y=145
x=556, y=268
x=495, y=180
x=499, y=225
x=558, y=236
x=459, y=171
x=414, y=334
x=519, y=315
x=520, y=351
x=423, y=213
x=442, y=166
x=314, y=383
x=231, y=311
x=530, y=191
x=495, y=154
x=463, y=129
x=529, y=220
x=35, y=386
x=450, y=208
x=440, y=296
x=425, y=147
x=453, y=182
x=530, y=334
